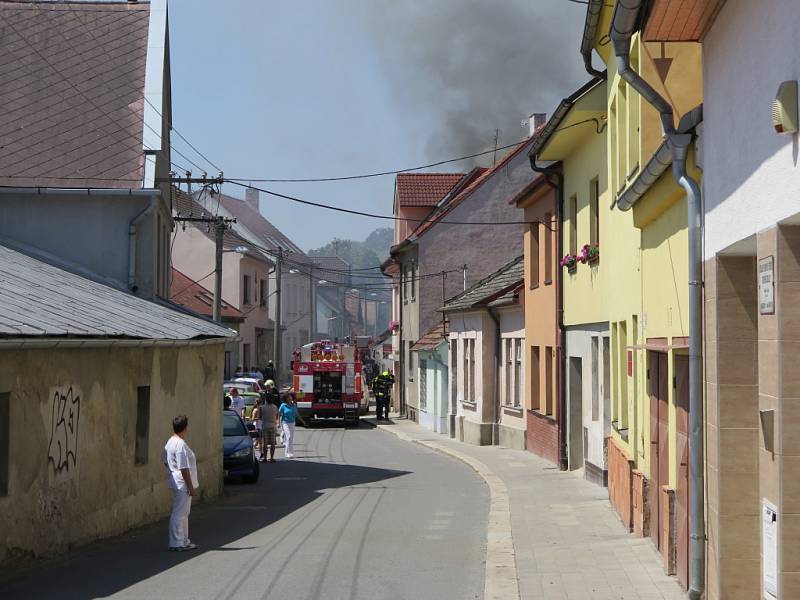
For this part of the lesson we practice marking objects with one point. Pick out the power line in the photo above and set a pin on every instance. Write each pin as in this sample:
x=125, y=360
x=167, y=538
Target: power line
x=376, y=216
x=378, y=174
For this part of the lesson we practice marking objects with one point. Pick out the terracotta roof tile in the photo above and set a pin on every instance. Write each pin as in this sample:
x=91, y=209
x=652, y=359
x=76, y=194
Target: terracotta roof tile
x=185, y=292
x=424, y=189
x=72, y=91
x=477, y=180
x=433, y=337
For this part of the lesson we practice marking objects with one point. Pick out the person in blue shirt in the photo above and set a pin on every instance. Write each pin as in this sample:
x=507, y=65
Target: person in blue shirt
x=287, y=413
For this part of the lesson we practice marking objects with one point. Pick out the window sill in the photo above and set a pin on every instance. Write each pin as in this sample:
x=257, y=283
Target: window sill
x=572, y=270
x=622, y=431
x=515, y=410
x=548, y=282
x=541, y=415
x=593, y=262
x=468, y=404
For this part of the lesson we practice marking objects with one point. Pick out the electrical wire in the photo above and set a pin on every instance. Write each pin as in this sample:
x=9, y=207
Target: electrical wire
x=370, y=175
x=385, y=217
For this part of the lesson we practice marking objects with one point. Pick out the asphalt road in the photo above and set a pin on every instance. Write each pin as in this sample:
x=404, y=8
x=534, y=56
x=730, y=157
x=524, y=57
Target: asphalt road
x=358, y=514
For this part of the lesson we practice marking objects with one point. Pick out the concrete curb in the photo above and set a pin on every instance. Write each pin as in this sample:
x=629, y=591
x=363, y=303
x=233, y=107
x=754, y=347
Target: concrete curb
x=501, y=581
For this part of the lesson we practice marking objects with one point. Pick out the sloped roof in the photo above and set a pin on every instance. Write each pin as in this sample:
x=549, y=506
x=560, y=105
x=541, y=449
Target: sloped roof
x=424, y=189
x=267, y=233
x=332, y=268
x=235, y=236
x=495, y=290
x=39, y=300
x=72, y=91
x=477, y=180
x=433, y=337
x=185, y=292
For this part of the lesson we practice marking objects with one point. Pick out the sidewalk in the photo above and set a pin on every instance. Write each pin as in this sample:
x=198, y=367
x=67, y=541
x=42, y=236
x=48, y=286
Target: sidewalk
x=567, y=539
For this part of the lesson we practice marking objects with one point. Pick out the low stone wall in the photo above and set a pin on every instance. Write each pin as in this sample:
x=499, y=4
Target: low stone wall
x=512, y=437
x=620, y=482
x=542, y=436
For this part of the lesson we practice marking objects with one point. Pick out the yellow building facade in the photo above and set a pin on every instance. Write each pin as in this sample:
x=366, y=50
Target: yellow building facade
x=603, y=286
x=648, y=296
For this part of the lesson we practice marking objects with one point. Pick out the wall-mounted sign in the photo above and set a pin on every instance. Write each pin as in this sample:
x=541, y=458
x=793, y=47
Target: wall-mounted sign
x=766, y=286
x=769, y=550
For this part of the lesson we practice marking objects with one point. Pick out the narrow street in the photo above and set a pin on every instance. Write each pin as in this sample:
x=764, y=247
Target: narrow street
x=358, y=514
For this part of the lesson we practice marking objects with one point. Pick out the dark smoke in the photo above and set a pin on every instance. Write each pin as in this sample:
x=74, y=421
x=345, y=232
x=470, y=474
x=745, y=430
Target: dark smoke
x=474, y=66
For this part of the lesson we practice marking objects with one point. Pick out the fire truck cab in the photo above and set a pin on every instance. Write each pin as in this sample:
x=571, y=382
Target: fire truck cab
x=328, y=382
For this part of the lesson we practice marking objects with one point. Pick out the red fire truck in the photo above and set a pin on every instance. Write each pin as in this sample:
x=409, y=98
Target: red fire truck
x=328, y=382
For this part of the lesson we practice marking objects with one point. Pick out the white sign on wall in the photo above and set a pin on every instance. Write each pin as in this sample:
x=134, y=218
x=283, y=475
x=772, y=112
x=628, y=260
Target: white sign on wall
x=769, y=550
x=306, y=384
x=766, y=286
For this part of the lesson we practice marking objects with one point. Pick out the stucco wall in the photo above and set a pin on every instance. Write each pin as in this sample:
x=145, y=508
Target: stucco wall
x=90, y=231
x=475, y=418
x=410, y=330
x=750, y=173
x=75, y=480
x=434, y=414
x=593, y=447
x=512, y=419
x=484, y=249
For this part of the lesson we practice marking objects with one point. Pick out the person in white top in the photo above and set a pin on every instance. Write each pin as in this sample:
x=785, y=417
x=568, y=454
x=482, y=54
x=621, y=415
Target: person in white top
x=237, y=402
x=182, y=477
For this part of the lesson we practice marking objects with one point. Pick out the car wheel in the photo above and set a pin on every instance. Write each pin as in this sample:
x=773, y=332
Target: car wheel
x=253, y=477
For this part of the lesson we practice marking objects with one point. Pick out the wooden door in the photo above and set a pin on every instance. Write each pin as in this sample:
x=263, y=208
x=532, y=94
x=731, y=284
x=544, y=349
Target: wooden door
x=658, y=389
x=682, y=453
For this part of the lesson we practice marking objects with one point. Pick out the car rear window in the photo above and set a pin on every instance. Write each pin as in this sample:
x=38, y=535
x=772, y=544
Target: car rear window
x=232, y=425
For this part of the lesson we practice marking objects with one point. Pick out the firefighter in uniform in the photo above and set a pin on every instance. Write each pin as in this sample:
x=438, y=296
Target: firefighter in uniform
x=382, y=386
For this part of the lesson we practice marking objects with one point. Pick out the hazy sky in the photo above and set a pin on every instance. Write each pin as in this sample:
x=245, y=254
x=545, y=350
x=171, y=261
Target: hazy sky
x=317, y=88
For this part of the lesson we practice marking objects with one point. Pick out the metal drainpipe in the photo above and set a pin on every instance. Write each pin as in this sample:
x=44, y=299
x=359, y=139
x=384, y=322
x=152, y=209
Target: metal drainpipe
x=132, y=245
x=495, y=412
x=624, y=24
x=561, y=391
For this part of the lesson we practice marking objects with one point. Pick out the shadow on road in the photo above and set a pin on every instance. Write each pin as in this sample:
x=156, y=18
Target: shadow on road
x=104, y=568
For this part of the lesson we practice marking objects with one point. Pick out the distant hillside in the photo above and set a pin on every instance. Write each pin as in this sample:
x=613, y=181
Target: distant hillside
x=361, y=255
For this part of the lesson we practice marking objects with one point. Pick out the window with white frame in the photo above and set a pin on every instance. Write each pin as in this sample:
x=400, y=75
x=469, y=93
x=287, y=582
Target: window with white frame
x=507, y=362
x=471, y=371
x=518, y=372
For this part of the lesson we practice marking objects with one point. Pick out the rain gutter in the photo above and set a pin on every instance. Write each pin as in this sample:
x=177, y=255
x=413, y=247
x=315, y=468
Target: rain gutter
x=50, y=343
x=593, y=10
x=627, y=20
x=658, y=163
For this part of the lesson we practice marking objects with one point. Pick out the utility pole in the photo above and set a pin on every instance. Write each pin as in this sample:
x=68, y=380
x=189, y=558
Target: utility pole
x=219, y=232
x=312, y=310
x=220, y=224
x=276, y=339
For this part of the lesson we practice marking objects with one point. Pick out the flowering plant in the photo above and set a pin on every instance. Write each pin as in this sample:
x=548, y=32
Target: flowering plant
x=589, y=254
x=570, y=261
x=394, y=325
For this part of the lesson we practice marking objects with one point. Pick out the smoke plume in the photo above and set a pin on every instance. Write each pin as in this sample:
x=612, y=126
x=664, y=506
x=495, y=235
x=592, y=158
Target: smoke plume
x=476, y=66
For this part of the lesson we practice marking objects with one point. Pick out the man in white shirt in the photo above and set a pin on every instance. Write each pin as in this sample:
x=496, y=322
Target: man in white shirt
x=237, y=402
x=182, y=478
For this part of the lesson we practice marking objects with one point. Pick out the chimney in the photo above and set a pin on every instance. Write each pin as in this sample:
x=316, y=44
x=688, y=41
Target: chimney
x=535, y=121
x=251, y=197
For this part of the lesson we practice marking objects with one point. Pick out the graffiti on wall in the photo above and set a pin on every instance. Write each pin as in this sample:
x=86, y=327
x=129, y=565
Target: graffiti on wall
x=62, y=450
